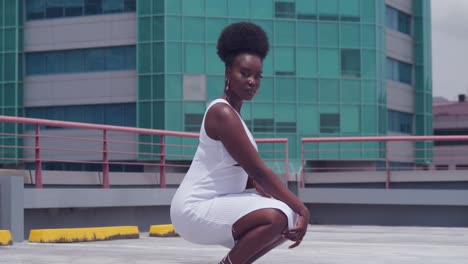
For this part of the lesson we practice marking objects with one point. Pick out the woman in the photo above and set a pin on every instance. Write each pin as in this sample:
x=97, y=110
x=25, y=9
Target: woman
x=211, y=206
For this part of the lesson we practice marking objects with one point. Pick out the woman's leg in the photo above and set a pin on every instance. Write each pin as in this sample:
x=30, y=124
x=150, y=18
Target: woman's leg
x=256, y=233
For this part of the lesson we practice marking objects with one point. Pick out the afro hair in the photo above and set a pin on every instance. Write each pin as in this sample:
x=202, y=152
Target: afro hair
x=242, y=37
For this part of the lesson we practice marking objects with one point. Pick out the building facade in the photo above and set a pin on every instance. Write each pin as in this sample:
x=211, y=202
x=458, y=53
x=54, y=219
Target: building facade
x=335, y=67
x=450, y=119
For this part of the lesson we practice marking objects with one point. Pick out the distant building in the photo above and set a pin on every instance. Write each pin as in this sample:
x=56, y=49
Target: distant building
x=336, y=67
x=451, y=118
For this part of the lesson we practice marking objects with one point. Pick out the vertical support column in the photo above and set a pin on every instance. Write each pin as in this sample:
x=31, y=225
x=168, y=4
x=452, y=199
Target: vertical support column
x=162, y=166
x=12, y=206
x=303, y=165
x=105, y=161
x=286, y=172
x=387, y=167
x=37, y=158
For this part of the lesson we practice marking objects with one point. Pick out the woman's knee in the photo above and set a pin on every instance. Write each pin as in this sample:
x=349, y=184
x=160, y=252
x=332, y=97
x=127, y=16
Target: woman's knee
x=277, y=219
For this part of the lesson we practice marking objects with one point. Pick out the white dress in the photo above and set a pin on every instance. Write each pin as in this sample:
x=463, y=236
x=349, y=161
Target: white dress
x=212, y=196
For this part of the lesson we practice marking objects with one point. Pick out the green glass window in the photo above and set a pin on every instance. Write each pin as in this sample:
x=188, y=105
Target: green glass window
x=369, y=114
x=369, y=92
x=194, y=29
x=81, y=60
x=194, y=58
x=173, y=23
x=174, y=57
x=214, y=65
x=350, y=119
x=144, y=28
x=306, y=33
x=285, y=118
x=350, y=62
x=9, y=72
x=328, y=34
x=285, y=33
x=369, y=63
x=158, y=57
x=307, y=119
x=158, y=28
x=368, y=11
x=10, y=39
x=350, y=91
x=329, y=90
x=266, y=91
x=307, y=90
x=215, y=85
x=214, y=26
x=144, y=81
x=349, y=10
x=239, y=8
x=329, y=123
x=174, y=6
x=306, y=9
x=173, y=87
x=193, y=8
x=122, y=114
x=369, y=38
x=328, y=63
x=285, y=89
x=263, y=8
x=285, y=9
x=216, y=8
x=350, y=35
x=48, y=9
x=328, y=10
x=175, y=122
x=284, y=61
x=306, y=62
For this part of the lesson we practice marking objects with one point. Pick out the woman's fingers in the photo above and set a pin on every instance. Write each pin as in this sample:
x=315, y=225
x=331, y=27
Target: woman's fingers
x=297, y=243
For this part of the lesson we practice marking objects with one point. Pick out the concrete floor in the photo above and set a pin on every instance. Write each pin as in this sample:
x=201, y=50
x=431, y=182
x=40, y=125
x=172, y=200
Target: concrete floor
x=322, y=244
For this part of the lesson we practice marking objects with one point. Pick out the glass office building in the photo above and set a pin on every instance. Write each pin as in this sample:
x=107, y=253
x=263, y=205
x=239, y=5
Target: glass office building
x=335, y=67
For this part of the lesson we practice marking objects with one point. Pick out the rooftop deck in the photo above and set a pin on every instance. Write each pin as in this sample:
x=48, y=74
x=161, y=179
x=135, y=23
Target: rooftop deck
x=322, y=244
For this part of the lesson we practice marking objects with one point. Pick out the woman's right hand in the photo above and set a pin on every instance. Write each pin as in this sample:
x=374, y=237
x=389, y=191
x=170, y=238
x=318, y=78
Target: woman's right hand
x=297, y=233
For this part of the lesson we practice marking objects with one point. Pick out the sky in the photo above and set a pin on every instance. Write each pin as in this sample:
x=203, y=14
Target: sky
x=449, y=48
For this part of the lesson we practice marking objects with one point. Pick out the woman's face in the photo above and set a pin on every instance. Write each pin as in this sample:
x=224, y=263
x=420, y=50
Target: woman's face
x=244, y=76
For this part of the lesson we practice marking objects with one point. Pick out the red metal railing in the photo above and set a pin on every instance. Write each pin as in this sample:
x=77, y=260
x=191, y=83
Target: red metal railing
x=162, y=154
x=335, y=159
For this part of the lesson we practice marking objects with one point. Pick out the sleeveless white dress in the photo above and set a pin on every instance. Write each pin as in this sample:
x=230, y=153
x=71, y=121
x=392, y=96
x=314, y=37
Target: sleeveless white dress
x=212, y=196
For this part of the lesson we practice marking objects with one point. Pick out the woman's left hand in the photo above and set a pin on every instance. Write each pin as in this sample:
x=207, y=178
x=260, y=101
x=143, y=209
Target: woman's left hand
x=298, y=232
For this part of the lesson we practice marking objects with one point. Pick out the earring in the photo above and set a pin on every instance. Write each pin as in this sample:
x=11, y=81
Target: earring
x=226, y=84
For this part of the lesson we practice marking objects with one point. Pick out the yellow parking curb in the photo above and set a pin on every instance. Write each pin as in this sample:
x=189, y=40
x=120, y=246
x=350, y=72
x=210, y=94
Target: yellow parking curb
x=5, y=238
x=162, y=231
x=68, y=235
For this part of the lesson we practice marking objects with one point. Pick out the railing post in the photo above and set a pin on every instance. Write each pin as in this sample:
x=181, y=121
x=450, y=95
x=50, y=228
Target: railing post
x=162, y=166
x=37, y=158
x=105, y=161
x=287, y=161
x=303, y=165
x=387, y=167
